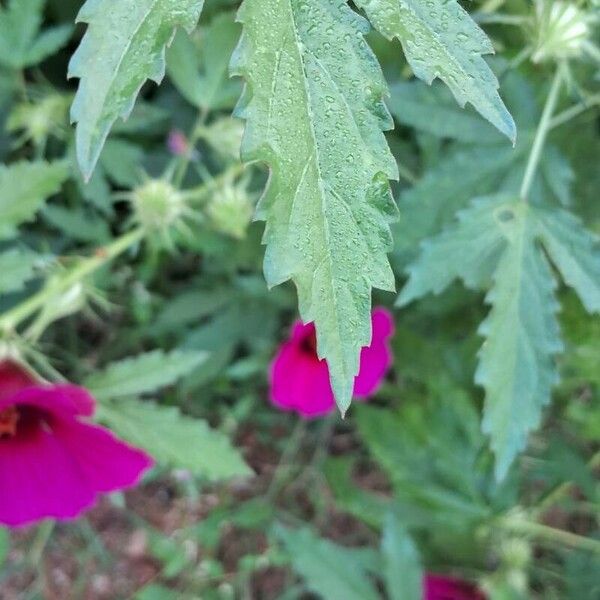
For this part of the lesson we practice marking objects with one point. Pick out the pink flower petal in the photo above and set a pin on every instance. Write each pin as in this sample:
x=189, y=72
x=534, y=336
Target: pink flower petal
x=300, y=382
x=440, y=587
x=39, y=478
x=106, y=462
x=61, y=400
x=375, y=359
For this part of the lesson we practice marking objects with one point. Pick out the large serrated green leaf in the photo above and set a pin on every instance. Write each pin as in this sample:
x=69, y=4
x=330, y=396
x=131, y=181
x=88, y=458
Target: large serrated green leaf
x=173, y=439
x=143, y=373
x=441, y=40
x=314, y=111
x=122, y=48
x=24, y=187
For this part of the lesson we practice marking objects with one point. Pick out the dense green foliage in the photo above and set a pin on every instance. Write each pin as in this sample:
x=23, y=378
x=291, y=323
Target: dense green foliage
x=311, y=157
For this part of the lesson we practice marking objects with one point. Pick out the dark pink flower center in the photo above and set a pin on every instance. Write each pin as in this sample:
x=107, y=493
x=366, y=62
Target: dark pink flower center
x=308, y=345
x=9, y=418
x=18, y=420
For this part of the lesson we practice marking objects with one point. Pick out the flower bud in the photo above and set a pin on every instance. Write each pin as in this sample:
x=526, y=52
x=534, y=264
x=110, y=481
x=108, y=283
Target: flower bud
x=225, y=136
x=562, y=30
x=39, y=119
x=230, y=210
x=157, y=204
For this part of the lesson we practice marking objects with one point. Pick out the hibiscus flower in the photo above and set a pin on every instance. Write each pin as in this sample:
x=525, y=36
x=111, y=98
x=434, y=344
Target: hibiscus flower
x=300, y=381
x=52, y=462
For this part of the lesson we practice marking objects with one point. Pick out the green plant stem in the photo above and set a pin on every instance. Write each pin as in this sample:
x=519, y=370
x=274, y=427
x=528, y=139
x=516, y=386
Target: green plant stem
x=290, y=451
x=197, y=193
x=13, y=317
x=551, y=534
x=195, y=135
x=540, y=136
x=574, y=111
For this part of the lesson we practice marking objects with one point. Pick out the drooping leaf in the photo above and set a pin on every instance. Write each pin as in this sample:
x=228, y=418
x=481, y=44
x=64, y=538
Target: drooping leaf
x=199, y=67
x=17, y=267
x=497, y=239
x=173, y=439
x=143, y=373
x=122, y=48
x=314, y=111
x=24, y=187
x=441, y=40
x=21, y=45
x=332, y=571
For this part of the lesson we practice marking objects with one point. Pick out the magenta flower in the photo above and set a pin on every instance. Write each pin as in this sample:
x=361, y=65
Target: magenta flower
x=52, y=462
x=300, y=381
x=440, y=587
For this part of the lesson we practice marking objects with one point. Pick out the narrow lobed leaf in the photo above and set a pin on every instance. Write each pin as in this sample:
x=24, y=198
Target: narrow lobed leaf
x=173, y=439
x=143, y=373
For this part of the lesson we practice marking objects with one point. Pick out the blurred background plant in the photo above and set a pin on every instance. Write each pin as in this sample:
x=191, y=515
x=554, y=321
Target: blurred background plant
x=158, y=250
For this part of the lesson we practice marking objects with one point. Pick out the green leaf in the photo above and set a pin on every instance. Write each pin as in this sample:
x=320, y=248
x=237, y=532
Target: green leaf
x=173, y=439
x=122, y=48
x=332, y=571
x=441, y=40
x=17, y=267
x=485, y=167
x=20, y=44
x=401, y=562
x=24, y=187
x=4, y=544
x=576, y=253
x=432, y=109
x=143, y=373
x=314, y=111
x=78, y=223
x=199, y=66
x=496, y=241
x=516, y=362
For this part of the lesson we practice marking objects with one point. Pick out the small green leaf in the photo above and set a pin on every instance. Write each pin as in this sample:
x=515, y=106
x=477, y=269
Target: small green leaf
x=20, y=44
x=122, y=48
x=173, y=439
x=143, y=373
x=24, y=187
x=315, y=115
x=199, y=66
x=17, y=267
x=441, y=40
x=332, y=571
x=401, y=562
